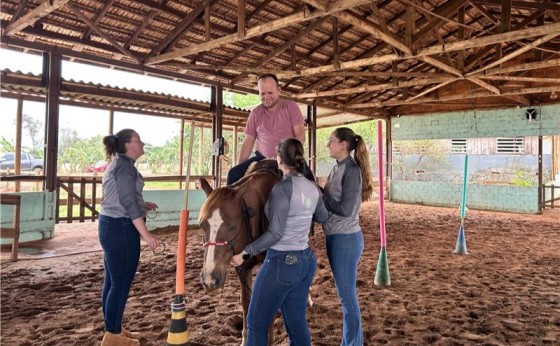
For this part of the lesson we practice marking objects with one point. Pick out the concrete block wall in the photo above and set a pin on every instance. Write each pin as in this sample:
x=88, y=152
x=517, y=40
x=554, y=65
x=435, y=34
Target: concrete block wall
x=36, y=216
x=507, y=198
x=477, y=124
x=473, y=124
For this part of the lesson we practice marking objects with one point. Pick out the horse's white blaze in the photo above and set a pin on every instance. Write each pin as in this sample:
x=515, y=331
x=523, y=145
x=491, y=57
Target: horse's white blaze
x=215, y=221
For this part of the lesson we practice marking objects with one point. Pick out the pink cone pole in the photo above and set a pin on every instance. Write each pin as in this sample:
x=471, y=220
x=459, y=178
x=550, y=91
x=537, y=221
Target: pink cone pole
x=381, y=184
x=382, y=276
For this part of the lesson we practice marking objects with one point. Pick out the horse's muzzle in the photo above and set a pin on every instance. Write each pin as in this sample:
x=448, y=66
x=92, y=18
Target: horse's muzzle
x=212, y=280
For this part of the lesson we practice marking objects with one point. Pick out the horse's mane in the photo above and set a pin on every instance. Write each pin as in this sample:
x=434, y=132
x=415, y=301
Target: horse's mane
x=214, y=200
x=254, y=182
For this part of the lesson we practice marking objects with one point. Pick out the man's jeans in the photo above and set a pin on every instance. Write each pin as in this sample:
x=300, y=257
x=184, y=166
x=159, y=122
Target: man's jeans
x=282, y=283
x=121, y=246
x=235, y=173
x=344, y=252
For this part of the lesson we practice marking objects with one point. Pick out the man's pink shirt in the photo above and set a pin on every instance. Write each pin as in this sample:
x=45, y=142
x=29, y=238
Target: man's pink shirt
x=271, y=127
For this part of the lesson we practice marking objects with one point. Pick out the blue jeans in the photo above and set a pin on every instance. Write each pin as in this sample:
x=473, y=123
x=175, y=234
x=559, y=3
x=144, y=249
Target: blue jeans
x=344, y=252
x=121, y=246
x=237, y=172
x=282, y=283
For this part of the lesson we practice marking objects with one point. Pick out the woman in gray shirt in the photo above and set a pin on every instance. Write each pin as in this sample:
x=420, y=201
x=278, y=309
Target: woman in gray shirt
x=120, y=226
x=349, y=183
x=284, y=278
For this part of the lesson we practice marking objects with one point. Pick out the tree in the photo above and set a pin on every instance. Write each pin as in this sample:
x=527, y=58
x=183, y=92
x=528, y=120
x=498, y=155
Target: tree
x=35, y=130
x=407, y=155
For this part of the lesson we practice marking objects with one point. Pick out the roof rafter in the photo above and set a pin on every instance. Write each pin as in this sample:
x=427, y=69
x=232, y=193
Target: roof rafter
x=298, y=17
x=34, y=15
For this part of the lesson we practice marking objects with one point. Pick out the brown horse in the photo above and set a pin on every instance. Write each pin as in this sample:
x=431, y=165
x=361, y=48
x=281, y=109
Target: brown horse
x=232, y=217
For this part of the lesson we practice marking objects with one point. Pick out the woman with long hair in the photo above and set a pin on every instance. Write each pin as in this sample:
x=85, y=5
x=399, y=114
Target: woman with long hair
x=348, y=185
x=284, y=278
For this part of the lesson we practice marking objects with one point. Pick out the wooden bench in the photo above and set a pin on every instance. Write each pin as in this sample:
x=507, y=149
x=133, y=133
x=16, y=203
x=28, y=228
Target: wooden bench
x=12, y=232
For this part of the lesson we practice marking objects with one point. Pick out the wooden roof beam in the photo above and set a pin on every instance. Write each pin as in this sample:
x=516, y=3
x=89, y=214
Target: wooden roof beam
x=437, y=49
x=471, y=95
x=298, y=17
x=521, y=4
x=524, y=67
x=311, y=27
x=378, y=87
x=180, y=28
x=19, y=11
x=98, y=17
x=34, y=15
x=97, y=30
x=518, y=52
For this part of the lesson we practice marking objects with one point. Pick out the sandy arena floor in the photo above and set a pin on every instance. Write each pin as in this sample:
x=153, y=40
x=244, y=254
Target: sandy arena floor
x=505, y=292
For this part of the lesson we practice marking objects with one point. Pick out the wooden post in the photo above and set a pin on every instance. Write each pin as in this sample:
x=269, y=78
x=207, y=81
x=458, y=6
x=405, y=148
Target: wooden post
x=181, y=150
x=17, y=158
x=111, y=121
x=200, y=143
x=52, y=117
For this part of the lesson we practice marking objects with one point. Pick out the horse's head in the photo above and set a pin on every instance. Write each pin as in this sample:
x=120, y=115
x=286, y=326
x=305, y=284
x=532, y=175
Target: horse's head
x=226, y=230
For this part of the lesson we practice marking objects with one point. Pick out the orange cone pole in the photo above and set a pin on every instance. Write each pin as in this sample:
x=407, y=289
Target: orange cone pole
x=178, y=334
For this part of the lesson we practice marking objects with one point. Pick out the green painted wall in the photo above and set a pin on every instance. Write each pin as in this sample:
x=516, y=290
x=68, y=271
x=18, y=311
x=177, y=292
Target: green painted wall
x=170, y=203
x=37, y=212
x=477, y=124
x=36, y=216
x=515, y=199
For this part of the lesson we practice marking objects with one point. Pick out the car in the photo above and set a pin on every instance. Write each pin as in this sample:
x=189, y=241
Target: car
x=28, y=162
x=99, y=166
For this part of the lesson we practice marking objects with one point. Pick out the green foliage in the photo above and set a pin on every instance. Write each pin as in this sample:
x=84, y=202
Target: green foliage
x=242, y=101
x=75, y=153
x=408, y=155
x=6, y=146
x=366, y=129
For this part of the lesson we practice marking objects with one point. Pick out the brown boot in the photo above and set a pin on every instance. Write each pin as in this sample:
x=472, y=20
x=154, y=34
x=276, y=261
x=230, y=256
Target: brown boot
x=132, y=335
x=110, y=339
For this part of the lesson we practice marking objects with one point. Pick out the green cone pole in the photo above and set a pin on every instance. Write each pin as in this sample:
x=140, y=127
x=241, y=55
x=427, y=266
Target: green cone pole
x=382, y=276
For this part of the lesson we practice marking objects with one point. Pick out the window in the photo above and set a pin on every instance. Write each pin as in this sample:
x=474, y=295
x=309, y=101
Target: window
x=459, y=146
x=513, y=145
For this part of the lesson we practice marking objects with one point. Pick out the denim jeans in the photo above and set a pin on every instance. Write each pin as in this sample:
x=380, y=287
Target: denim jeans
x=344, y=252
x=282, y=283
x=121, y=246
x=237, y=172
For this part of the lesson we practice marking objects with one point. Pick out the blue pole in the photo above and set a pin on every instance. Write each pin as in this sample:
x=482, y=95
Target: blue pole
x=464, y=197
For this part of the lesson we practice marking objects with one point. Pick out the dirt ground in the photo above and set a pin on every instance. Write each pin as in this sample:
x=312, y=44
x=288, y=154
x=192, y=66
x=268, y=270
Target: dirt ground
x=505, y=292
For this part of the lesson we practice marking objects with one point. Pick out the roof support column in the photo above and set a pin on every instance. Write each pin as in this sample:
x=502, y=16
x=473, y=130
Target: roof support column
x=311, y=123
x=52, y=67
x=217, y=108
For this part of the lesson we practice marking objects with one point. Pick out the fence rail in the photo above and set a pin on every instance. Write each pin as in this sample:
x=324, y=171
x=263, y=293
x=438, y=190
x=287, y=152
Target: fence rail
x=554, y=191
x=82, y=194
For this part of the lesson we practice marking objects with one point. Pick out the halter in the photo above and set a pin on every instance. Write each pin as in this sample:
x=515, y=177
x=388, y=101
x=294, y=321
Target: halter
x=247, y=212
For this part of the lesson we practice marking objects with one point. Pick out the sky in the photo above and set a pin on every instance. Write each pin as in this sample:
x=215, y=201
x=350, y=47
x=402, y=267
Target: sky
x=91, y=122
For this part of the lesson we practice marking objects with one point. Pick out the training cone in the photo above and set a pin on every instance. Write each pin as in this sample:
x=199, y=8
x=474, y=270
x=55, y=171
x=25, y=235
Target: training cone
x=461, y=245
x=178, y=334
x=382, y=276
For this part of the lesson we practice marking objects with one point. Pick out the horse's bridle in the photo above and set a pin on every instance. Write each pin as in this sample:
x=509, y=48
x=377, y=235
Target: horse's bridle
x=247, y=212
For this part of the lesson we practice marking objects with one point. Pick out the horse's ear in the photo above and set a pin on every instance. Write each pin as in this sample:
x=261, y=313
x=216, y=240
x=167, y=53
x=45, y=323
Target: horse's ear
x=204, y=185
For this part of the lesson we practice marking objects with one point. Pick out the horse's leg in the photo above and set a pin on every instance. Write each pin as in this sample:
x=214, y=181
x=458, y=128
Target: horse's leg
x=245, y=279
